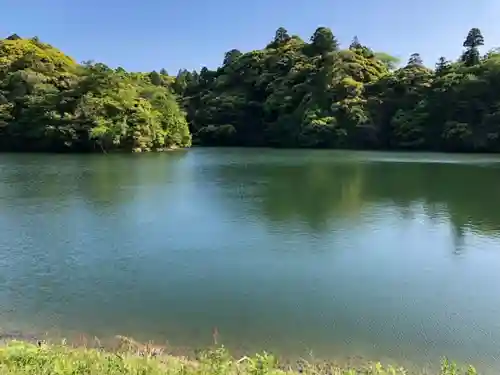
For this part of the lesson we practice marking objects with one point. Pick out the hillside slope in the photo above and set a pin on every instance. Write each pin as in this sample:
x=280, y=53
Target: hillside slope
x=48, y=102
x=315, y=94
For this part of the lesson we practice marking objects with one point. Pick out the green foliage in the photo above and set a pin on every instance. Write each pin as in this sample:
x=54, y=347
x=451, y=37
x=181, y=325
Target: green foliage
x=155, y=78
x=355, y=44
x=415, y=60
x=297, y=94
x=323, y=41
x=473, y=41
x=17, y=358
x=281, y=36
x=231, y=56
x=50, y=103
x=223, y=135
x=290, y=94
x=443, y=66
x=391, y=62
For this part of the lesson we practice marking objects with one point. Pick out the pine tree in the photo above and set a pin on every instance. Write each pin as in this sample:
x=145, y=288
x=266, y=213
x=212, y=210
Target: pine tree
x=355, y=44
x=231, y=56
x=415, y=60
x=474, y=40
x=155, y=78
x=13, y=37
x=442, y=66
x=281, y=36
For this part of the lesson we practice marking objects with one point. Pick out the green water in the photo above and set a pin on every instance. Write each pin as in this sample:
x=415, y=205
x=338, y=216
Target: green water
x=341, y=254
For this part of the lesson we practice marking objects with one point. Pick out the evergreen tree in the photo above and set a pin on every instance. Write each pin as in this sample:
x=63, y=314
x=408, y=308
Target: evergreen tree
x=473, y=41
x=415, y=60
x=155, y=78
x=231, y=56
x=323, y=41
x=442, y=66
x=13, y=37
x=281, y=36
x=355, y=44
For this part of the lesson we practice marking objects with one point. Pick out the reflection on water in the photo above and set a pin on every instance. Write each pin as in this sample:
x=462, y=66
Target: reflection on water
x=316, y=191
x=344, y=253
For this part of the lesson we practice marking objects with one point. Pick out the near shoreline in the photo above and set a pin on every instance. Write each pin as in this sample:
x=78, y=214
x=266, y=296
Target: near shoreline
x=25, y=354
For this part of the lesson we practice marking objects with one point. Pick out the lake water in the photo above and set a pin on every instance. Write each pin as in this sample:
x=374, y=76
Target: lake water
x=338, y=254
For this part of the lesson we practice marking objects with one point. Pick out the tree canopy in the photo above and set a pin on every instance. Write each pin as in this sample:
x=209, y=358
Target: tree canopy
x=291, y=93
x=315, y=94
x=48, y=102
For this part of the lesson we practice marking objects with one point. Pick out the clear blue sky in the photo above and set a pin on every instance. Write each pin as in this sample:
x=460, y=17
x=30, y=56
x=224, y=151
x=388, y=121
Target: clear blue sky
x=154, y=34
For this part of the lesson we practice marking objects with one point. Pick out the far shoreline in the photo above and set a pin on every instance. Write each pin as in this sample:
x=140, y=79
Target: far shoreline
x=246, y=148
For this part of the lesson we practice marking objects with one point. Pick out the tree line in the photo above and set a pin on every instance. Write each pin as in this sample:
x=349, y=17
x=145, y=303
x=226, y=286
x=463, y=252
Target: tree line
x=315, y=94
x=291, y=93
x=48, y=102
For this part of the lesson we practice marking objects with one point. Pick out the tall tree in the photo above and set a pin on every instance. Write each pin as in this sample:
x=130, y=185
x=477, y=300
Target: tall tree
x=442, y=66
x=207, y=77
x=473, y=41
x=13, y=37
x=474, y=38
x=355, y=44
x=231, y=56
x=415, y=60
x=155, y=78
x=323, y=41
x=281, y=36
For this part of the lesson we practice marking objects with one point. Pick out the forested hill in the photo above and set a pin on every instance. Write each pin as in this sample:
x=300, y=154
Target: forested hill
x=316, y=94
x=290, y=94
x=48, y=102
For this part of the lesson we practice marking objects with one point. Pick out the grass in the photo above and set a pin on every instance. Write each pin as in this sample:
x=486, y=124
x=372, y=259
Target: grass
x=21, y=358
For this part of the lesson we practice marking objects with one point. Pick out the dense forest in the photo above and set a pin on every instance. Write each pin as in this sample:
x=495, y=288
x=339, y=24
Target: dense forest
x=315, y=94
x=48, y=102
x=292, y=93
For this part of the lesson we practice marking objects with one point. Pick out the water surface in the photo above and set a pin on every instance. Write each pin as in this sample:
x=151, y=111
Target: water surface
x=380, y=255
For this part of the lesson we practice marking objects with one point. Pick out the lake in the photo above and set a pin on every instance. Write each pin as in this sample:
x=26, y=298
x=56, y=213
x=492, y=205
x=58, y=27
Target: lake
x=338, y=254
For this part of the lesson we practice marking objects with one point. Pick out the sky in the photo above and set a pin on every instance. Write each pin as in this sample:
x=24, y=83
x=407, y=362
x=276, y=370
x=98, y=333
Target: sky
x=153, y=34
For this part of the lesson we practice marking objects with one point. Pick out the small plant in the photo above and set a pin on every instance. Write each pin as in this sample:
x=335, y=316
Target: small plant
x=262, y=364
x=451, y=368
x=216, y=361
